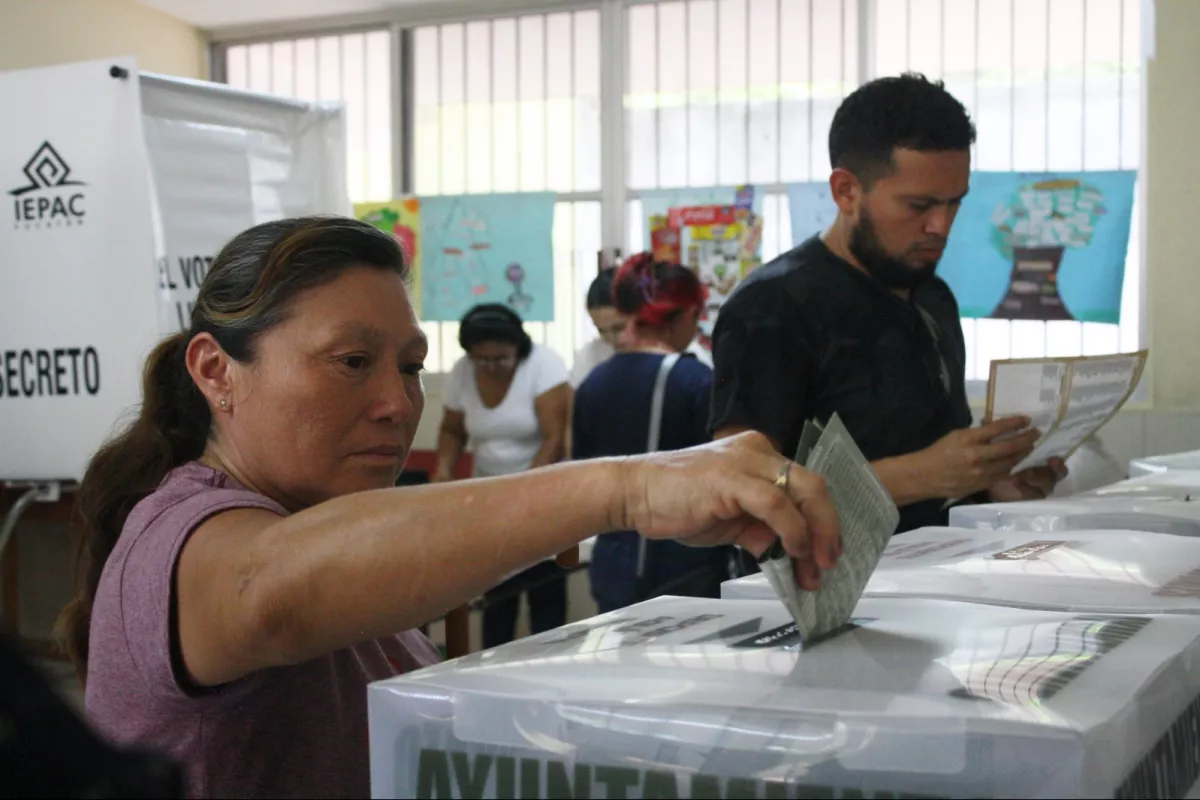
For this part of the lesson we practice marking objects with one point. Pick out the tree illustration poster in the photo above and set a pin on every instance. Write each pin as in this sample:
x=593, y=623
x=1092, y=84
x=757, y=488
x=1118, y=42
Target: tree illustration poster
x=487, y=248
x=402, y=219
x=1041, y=246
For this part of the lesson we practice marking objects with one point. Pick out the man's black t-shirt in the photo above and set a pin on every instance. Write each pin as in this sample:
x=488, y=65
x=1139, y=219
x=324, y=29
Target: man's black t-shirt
x=808, y=334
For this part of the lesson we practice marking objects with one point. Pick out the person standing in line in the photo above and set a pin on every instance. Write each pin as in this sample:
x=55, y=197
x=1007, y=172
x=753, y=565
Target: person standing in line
x=616, y=412
x=612, y=325
x=855, y=321
x=510, y=398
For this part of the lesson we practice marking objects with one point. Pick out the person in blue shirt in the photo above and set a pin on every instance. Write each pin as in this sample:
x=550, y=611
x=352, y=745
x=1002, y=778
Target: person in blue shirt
x=612, y=417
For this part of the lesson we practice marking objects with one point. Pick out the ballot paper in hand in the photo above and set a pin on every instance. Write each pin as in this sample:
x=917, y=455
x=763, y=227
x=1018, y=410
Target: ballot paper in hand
x=868, y=518
x=1067, y=399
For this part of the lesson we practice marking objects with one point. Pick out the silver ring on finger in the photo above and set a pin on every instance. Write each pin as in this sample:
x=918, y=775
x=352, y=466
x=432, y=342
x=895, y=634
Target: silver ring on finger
x=785, y=473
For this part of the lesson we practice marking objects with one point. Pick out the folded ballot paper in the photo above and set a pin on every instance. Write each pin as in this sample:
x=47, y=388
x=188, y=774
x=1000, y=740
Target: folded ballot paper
x=868, y=519
x=687, y=697
x=1156, y=515
x=1118, y=572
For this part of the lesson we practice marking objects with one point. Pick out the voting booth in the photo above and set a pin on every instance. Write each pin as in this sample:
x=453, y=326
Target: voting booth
x=122, y=187
x=1174, y=461
x=710, y=699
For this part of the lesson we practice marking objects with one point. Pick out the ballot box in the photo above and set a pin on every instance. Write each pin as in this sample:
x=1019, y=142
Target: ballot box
x=1119, y=572
x=1166, y=463
x=1169, y=485
x=1178, y=517
x=686, y=697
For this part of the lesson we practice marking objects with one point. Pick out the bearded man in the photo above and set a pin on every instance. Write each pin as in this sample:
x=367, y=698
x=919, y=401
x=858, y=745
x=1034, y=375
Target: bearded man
x=855, y=320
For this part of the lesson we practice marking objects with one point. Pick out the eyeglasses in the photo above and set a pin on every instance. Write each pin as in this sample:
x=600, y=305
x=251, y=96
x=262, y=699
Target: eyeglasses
x=494, y=362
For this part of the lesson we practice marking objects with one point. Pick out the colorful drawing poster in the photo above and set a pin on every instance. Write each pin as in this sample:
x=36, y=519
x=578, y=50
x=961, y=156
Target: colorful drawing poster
x=1041, y=246
x=657, y=202
x=811, y=209
x=402, y=219
x=722, y=243
x=487, y=248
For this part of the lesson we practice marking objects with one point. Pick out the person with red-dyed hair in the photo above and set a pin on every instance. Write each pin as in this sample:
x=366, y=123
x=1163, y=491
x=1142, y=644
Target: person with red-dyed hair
x=653, y=395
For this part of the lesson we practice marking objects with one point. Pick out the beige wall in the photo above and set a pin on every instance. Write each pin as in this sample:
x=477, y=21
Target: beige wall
x=1172, y=174
x=36, y=33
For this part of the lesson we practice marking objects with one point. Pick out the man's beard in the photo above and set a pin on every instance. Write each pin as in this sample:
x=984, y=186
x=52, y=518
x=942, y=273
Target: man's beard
x=888, y=270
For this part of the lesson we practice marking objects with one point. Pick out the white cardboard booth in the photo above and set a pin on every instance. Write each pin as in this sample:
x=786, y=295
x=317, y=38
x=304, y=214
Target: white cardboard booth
x=1174, y=461
x=1118, y=572
x=714, y=699
x=121, y=189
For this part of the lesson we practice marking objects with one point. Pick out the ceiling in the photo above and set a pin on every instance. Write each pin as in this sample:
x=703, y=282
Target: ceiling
x=216, y=14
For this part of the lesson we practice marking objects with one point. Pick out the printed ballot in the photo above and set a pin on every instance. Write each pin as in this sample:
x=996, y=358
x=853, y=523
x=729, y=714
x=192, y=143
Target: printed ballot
x=868, y=518
x=690, y=697
x=1067, y=399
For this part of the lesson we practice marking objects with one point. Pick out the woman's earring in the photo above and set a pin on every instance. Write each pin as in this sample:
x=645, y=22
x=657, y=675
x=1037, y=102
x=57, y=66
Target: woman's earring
x=224, y=403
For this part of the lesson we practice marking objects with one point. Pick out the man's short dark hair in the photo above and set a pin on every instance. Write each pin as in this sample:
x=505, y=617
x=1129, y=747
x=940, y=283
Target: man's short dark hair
x=909, y=112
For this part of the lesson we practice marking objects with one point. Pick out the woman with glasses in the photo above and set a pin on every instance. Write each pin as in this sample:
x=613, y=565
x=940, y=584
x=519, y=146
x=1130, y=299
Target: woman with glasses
x=509, y=397
x=653, y=395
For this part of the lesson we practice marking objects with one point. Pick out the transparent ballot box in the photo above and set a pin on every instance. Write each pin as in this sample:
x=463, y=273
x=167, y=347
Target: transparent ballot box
x=684, y=697
x=1177, y=517
x=1182, y=485
x=1095, y=571
x=1166, y=463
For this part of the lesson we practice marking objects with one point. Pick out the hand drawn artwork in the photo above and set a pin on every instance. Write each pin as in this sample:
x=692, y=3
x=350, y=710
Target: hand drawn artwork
x=488, y=249
x=721, y=241
x=1041, y=246
x=1033, y=229
x=402, y=219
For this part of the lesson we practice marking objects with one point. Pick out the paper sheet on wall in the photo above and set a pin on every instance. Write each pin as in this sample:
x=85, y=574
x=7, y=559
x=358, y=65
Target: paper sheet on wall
x=1068, y=399
x=868, y=518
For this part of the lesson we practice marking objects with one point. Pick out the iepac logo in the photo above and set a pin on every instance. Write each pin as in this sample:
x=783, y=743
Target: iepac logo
x=50, y=199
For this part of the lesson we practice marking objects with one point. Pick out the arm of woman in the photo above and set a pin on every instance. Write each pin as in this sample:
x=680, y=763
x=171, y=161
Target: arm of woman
x=452, y=441
x=553, y=409
x=254, y=590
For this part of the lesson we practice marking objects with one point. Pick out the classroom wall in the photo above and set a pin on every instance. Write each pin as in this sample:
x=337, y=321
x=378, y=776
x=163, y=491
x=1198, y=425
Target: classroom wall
x=36, y=33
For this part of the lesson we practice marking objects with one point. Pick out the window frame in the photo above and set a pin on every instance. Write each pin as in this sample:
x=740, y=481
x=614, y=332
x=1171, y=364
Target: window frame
x=614, y=195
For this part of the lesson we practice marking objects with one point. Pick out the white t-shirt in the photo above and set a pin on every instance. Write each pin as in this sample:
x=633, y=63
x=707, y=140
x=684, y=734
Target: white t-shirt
x=506, y=438
x=598, y=351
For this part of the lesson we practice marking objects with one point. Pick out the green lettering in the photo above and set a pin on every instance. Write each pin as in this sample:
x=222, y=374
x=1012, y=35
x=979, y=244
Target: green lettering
x=558, y=786
x=659, y=785
x=617, y=780
x=471, y=774
x=708, y=787
x=531, y=778
x=433, y=774
x=506, y=772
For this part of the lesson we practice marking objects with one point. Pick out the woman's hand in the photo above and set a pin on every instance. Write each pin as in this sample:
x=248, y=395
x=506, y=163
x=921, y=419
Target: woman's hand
x=724, y=493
